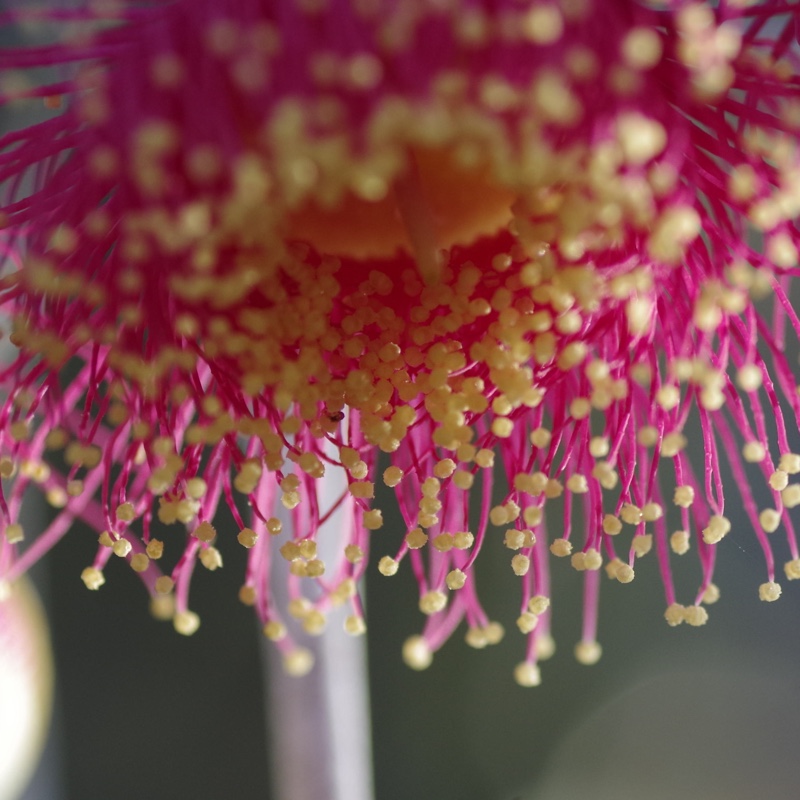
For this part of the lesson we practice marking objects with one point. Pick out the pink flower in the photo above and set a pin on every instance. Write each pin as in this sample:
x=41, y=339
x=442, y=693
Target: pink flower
x=514, y=247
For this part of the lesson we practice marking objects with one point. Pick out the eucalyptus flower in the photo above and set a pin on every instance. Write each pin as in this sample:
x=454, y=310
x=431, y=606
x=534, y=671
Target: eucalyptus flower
x=454, y=249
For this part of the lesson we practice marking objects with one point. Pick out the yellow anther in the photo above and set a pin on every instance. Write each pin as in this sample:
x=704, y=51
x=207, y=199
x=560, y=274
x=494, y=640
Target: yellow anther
x=392, y=476
x=211, y=558
x=363, y=490
x=538, y=604
x=355, y=625
x=186, y=622
x=683, y=496
x=611, y=525
x=679, y=542
x=779, y=480
x=353, y=553
x=432, y=602
x=298, y=662
x=517, y=539
x=672, y=444
x=388, y=566
x=502, y=427
x=527, y=675
x=139, y=562
x=605, y=475
x=642, y=544
x=93, y=578
x=647, y=436
x=247, y=595
x=164, y=584
x=455, y=579
x=444, y=468
x=311, y=464
x=527, y=621
x=105, y=539
x=790, y=463
x=14, y=533
x=769, y=592
x=290, y=551
x=484, y=458
x=695, y=616
x=520, y=564
x=588, y=653
x=416, y=653
x=711, y=594
x=121, y=548
x=463, y=540
x=577, y=484
x=540, y=437
x=443, y=542
x=754, y=452
x=675, y=614
x=791, y=496
x=155, y=549
x=247, y=537
x=560, y=547
x=196, y=488
x=651, y=512
x=205, y=532
x=718, y=527
x=770, y=520
x=624, y=573
x=125, y=512
x=274, y=630
x=792, y=569
x=314, y=622
x=631, y=514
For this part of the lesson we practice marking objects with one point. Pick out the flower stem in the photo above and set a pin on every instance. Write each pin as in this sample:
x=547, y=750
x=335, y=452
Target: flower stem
x=319, y=724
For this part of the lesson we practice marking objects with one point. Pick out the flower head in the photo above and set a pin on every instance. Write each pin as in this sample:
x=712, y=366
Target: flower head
x=259, y=244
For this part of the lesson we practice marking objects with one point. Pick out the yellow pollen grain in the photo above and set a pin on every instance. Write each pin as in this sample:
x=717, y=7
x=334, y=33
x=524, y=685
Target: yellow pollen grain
x=388, y=566
x=770, y=520
x=520, y=564
x=247, y=537
x=121, y=548
x=718, y=527
x=211, y=558
x=298, y=662
x=695, y=616
x=790, y=496
x=139, y=562
x=186, y=622
x=353, y=553
x=392, y=476
x=675, y=615
x=560, y=547
x=432, y=602
x=711, y=594
x=417, y=653
x=155, y=549
x=642, y=544
x=205, y=532
x=588, y=652
x=14, y=533
x=612, y=525
x=455, y=579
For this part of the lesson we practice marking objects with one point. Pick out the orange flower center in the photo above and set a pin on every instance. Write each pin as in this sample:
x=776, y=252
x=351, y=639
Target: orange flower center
x=434, y=205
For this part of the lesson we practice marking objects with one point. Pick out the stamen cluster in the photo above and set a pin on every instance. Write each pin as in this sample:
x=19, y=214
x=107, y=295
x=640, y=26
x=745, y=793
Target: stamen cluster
x=276, y=254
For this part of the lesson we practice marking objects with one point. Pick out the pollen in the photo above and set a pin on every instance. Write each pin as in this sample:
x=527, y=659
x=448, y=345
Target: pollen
x=450, y=307
x=769, y=592
x=588, y=652
x=416, y=653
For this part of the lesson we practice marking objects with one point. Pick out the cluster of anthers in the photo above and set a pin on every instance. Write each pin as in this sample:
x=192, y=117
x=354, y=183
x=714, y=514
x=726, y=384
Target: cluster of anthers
x=273, y=254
